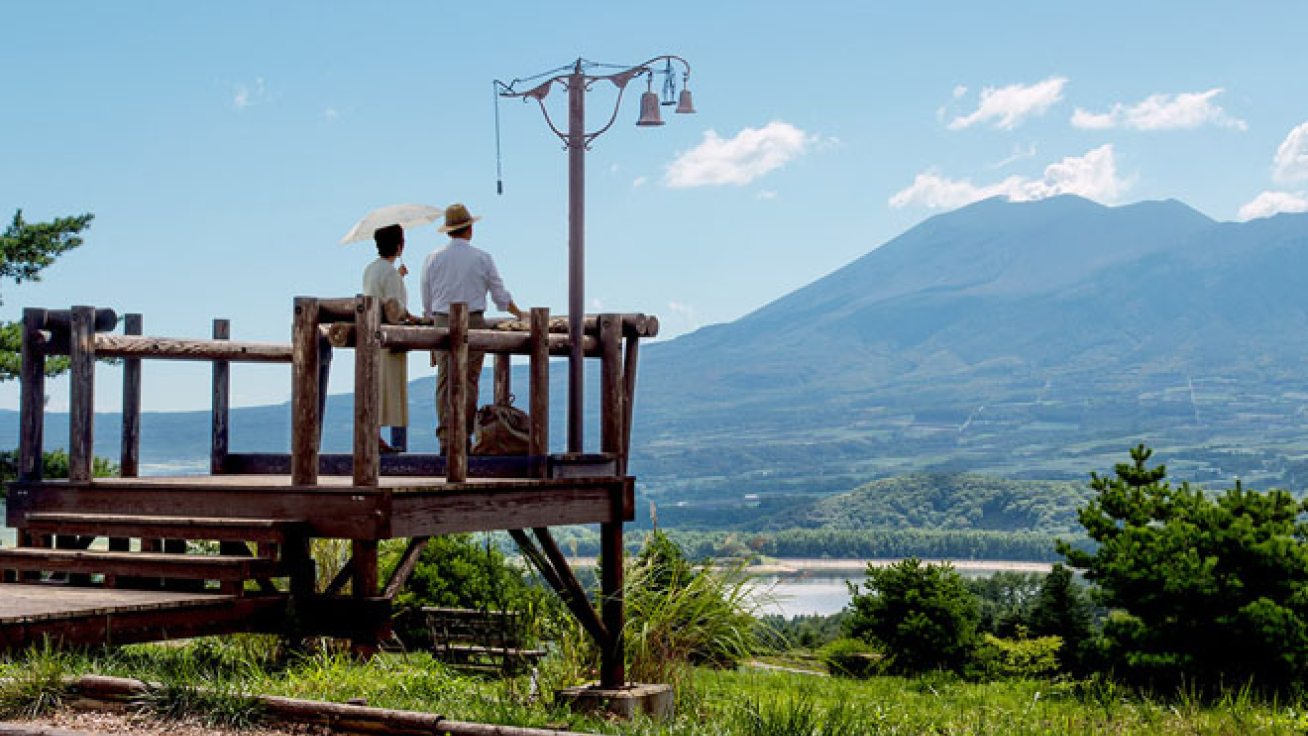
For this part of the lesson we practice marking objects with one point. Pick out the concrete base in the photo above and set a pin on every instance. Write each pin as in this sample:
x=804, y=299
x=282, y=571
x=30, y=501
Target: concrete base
x=654, y=701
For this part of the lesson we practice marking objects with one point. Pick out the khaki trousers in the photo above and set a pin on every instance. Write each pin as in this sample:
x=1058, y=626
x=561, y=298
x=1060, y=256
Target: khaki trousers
x=443, y=360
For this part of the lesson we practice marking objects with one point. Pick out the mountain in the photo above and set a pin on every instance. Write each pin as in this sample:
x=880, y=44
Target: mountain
x=1022, y=340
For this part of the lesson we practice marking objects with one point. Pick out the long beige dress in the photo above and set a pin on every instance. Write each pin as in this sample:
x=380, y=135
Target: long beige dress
x=382, y=280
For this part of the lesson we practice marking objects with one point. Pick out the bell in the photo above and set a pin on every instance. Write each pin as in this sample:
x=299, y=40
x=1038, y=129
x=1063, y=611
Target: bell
x=684, y=105
x=649, y=109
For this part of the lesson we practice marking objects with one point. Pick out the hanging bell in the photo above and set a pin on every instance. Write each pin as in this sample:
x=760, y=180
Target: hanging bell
x=649, y=109
x=684, y=104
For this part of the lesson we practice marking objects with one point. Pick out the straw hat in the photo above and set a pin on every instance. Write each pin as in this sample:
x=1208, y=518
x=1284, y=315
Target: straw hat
x=457, y=216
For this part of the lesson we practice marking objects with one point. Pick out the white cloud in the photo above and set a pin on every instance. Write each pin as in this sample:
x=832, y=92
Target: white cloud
x=766, y=194
x=248, y=96
x=1093, y=176
x=959, y=91
x=1008, y=107
x=639, y=181
x=597, y=304
x=1271, y=203
x=1291, y=162
x=752, y=153
x=1161, y=112
x=1018, y=154
x=330, y=113
x=685, y=314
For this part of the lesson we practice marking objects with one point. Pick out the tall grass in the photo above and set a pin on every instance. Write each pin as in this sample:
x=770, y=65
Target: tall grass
x=37, y=686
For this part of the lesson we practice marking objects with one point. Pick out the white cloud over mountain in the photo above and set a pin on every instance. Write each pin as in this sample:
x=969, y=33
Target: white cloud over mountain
x=1291, y=162
x=1008, y=107
x=1093, y=176
x=748, y=155
x=1162, y=112
x=1272, y=203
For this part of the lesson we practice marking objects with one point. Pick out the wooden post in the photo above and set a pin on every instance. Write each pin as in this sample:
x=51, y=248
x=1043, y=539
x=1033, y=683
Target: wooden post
x=503, y=381
x=130, y=460
x=222, y=389
x=628, y=399
x=305, y=425
x=297, y=558
x=456, y=410
x=367, y=392
x=81, y=401
x=539, y=443
x=365, y=568
x=32, y=403
x=611, y=413
x=613, y=670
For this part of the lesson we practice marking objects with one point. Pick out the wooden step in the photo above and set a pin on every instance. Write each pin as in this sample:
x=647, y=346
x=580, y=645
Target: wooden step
x=137, y=564
x=162, y=527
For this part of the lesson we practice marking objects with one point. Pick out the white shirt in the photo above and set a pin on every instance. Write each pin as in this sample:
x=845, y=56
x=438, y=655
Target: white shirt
x=461, y=273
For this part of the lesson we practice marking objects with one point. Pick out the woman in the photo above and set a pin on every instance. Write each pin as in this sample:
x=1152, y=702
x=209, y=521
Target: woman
x=385, y=282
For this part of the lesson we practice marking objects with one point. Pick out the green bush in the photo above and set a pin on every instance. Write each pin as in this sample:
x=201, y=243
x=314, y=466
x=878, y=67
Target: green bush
x=848, y=657
x=921, y=615
x=1215, y=590
x=1021, y=657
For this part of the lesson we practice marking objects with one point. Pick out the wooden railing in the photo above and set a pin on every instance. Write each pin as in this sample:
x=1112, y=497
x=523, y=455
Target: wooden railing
x=83, y=334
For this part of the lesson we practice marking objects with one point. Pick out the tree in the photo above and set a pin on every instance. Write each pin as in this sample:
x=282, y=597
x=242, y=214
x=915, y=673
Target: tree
x=922, y=616
x=1062, y=608
x=26, y=248
x=1212, y=590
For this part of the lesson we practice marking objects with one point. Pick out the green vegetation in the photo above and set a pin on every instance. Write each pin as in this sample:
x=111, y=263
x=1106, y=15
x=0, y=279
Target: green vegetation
x=921, y=616
x=26, y=248
x=1211, y=590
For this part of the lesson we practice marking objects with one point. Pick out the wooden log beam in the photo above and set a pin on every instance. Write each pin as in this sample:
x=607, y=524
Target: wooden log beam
x=171, y=348
x=575, y=596
x=403, y=337
x=402, y=572
x=630, y=362
x=305, y=424
x=81, y=410
x=61, y=320
x=539, y=441
x=220, y=412
x=613, y=671
x=611, y=414
x=367, y=393
x=503, y=381
x=339, y=309
x=32, y=400
x=456, y=415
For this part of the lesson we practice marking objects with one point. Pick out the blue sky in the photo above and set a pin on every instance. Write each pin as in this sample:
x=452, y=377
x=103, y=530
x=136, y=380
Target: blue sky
x=225, y=148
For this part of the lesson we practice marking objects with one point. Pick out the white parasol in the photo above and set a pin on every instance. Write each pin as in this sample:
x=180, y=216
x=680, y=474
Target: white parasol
x=404, y=215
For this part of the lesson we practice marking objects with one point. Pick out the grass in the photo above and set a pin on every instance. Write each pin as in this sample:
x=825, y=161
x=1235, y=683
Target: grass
x=214, y=679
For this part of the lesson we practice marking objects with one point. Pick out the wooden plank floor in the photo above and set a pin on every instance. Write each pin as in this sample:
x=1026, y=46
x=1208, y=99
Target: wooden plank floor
x=25, y=603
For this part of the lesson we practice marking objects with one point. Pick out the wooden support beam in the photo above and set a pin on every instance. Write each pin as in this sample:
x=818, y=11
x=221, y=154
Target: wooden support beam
x=367, y=392
x=129, y=463
x=628, y=399
x=365, y=568
x=343, y=576
x=219, y=431
x=611, y=414
x=576, y=598
x=503, y=381
x=305, y=425
x=81, y=409
x=613, y=671
x=412, y=554
x=31, y=428
x=456, y=414
x=539, y=442
x=61, y=320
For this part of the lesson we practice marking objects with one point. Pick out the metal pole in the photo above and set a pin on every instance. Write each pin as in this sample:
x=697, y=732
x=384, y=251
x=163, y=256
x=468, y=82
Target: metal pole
x=576, y=252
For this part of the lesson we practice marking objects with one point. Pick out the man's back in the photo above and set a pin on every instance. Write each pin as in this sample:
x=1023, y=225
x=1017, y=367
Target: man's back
x=461, y=273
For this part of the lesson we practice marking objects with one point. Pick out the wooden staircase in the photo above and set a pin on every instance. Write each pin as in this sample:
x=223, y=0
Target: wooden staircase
x=59, y=544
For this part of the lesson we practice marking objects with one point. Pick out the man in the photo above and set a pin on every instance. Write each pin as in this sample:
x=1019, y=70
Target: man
x=460, y=273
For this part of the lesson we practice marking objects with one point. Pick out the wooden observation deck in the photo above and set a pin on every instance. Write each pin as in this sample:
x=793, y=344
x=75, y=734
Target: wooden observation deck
x=255, y=514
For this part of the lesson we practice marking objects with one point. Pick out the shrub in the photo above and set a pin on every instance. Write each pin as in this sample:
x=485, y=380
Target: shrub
x=922, y=616
x=1021, y=657
x=848, y=657
x=1214, y=590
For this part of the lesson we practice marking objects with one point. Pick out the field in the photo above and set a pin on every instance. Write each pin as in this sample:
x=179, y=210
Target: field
x=711, y=702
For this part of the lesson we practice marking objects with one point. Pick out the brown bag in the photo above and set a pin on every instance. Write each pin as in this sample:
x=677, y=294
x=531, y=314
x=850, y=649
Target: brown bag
x=502, y=429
